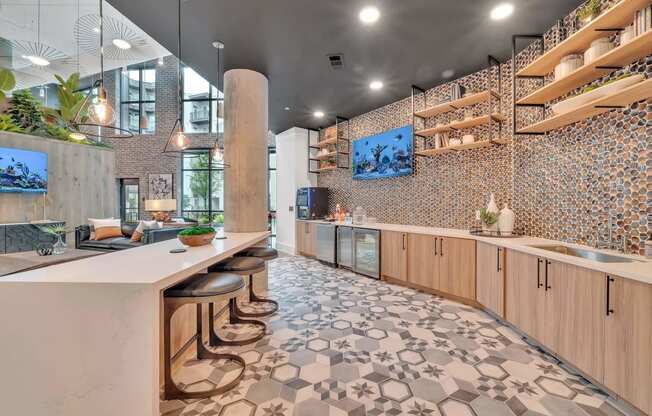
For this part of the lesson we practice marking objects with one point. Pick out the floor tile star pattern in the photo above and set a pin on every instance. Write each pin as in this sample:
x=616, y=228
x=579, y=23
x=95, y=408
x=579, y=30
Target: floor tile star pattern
x=346, y=345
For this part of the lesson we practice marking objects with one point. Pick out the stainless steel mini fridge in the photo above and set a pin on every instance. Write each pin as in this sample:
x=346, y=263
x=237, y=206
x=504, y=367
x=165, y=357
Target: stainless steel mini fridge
x=359, y=249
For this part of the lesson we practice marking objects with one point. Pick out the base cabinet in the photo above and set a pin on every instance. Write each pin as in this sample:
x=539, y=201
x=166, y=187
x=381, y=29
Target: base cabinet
x=394, y=255
x=628, y=341
x=490, y=277
x=457, y=267
x=524, y=297
x=305, y=238
x=423, y=260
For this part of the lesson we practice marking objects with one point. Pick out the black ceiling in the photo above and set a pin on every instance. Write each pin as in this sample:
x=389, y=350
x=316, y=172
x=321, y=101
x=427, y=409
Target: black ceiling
x=289, y=40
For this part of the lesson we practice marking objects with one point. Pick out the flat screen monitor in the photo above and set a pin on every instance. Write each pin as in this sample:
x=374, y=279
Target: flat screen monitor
x=23, y=171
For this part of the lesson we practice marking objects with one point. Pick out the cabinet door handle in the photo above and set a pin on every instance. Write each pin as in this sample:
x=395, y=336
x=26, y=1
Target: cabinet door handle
x=441, y=247
x=609, y=281
x=404, y=241
x=539, y=261
x=436, y=245
x=547, y=286
x=497, y=259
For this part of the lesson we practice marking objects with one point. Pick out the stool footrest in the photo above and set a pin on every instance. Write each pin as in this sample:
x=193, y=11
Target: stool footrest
x=217, y=341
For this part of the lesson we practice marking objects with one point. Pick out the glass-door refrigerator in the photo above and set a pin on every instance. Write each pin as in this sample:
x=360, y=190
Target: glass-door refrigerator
x=366, y=252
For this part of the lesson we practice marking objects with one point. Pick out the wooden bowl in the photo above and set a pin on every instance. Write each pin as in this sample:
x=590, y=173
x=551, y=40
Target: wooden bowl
x=196, y=240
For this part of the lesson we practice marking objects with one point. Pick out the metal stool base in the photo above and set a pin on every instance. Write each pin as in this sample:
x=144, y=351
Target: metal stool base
x=255, y=299
x=215, y=340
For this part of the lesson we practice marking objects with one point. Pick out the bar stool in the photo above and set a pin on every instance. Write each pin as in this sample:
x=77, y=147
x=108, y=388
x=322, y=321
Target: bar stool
x=200, y=289
x=265, y=254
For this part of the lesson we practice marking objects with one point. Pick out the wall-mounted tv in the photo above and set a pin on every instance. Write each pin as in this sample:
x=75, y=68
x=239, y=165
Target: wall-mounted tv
x=384, y=155
x=23, y=171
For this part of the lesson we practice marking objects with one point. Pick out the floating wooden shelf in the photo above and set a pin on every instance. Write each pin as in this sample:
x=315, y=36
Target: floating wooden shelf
x=455, y=104
x=475, y=145
x=624, y=97
x=461, y=124
x=326, y=168
x=639, y=47
x=617, y=17
x=327, y=142
x=326, y=156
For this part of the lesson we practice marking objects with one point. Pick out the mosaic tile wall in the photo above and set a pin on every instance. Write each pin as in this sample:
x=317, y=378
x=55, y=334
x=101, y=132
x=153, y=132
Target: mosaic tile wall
x=567, y=185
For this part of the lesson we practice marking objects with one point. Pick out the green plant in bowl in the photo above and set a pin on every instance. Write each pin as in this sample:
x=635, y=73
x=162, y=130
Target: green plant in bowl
x=488, y=218
x=197, y=231
x=589, y=11
x=197, y=236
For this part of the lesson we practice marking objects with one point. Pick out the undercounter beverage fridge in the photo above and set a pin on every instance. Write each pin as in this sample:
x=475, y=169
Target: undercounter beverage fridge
x=359, y=249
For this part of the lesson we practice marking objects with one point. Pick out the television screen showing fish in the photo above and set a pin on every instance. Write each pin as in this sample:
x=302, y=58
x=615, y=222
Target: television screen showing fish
x=384, y=155
x=23, y=171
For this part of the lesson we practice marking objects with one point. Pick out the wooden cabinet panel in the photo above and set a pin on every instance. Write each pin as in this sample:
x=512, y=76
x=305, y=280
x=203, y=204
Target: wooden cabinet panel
x=524, y=293
x=393, y=254
x=305, y=238
x=575, y=311
x=457, y=267
x=628, y=337
x=423, y=261
x=310, y=243
x=490, y=277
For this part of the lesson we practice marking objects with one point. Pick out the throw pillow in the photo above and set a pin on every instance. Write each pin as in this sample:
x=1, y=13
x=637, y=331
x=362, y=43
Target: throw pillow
x=91, y=223
x=107, y=229
x=142, y=226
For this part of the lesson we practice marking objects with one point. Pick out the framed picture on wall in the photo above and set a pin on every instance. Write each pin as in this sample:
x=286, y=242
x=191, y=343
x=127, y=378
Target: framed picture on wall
x=160, y=186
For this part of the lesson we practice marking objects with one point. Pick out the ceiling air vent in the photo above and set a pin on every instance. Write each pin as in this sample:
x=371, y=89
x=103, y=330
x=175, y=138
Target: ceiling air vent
x=336, y=60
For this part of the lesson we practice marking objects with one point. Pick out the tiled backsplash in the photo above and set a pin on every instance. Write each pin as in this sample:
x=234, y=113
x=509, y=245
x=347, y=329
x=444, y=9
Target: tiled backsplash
x=567, y=185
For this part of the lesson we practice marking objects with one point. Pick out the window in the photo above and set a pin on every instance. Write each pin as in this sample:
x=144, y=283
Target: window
x=271, y=164
x=138, y=100
x=202, y=189
x=200, y=104
x=129, y=199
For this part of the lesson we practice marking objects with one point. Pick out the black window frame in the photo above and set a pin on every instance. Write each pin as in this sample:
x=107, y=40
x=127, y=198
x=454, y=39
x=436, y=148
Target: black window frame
x=271, y=214
x=124, y=182
x=141, y=103
x=209, y=100
x=209, y=169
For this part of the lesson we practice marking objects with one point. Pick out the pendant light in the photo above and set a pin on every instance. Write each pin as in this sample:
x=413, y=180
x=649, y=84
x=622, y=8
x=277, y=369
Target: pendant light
x=101, y=112
x=217, y=153
x=178, y=142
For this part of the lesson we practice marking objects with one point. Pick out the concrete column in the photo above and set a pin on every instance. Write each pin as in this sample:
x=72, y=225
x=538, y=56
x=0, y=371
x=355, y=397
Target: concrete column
x=245, y=151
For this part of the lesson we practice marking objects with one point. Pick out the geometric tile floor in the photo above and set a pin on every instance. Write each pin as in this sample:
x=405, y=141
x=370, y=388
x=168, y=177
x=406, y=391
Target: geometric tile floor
x=344, y=344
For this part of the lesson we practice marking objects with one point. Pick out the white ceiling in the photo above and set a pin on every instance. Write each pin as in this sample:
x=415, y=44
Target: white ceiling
x=62, y=22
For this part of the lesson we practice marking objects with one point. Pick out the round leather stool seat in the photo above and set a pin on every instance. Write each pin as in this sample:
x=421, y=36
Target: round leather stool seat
x=240, y=265
x=265, y=253
x=206, y=285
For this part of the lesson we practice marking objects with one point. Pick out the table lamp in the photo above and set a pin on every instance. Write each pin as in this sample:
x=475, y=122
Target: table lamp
x=161, y=208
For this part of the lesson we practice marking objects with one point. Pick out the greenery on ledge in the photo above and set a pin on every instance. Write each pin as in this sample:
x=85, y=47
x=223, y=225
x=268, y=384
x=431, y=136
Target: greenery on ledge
x=196, y=231
x=23, y=113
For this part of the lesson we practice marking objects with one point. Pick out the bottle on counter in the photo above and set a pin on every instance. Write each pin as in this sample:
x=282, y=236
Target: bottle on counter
x=338, y=212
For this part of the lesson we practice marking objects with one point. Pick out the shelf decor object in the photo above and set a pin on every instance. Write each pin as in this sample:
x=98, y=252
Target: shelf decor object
x=489, y=95
x=595, y=93
x=335, y=139
x=611, y=21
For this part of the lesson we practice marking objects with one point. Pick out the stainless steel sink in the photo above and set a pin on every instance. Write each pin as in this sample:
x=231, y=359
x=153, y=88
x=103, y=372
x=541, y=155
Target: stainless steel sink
x=586, y=254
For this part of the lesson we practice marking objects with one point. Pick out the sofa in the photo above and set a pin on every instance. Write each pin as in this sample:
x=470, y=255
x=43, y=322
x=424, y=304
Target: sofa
x=83, y=238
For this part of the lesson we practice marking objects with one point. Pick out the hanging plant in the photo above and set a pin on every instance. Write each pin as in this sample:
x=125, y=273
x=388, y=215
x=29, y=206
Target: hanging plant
x=7, y=82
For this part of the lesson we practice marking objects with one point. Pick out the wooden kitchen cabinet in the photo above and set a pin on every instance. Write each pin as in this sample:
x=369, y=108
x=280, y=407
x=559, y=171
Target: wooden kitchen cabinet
x=627, y=341
x=394, y=255
x=423, y=260
x=457, y=267
x=305, y=238
x=524, y=293
x=490, y=277
x=574, y=315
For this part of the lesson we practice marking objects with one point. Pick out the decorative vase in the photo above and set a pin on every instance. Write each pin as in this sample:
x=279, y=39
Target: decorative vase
x=59, y=247
x=491, y=206
x=506, y=221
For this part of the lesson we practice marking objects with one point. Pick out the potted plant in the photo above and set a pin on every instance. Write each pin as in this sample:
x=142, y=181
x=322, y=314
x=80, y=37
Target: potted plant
x=58, y=230
x=589, y=12
x=489, y=220
x=197, y=236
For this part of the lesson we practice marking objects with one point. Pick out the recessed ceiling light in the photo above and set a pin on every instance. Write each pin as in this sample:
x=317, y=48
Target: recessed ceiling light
x=369, y=15
x=160, y=62
x=287, y=108
x=376, y=85
x=502, y=11
x=318, y=114
x=121, y=43
x=218, y=45
x=37, y=60
x=448, y=73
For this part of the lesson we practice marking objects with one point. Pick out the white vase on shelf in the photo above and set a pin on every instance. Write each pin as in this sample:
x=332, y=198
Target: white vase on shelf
x=506, y=221
x=491, y=206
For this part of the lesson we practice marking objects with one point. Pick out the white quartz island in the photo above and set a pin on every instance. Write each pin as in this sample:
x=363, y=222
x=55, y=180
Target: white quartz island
x=82, y=338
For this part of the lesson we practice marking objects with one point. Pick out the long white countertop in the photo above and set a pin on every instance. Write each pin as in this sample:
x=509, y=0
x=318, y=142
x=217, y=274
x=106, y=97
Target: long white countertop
x=640, y=270
x=149, y=264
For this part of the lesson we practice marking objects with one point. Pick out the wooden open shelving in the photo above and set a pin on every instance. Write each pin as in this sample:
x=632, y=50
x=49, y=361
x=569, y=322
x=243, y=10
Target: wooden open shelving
x=622, y=98
x=611, y=20
x=453, y=105
x=326, y=168
x=462, y=124
x=327, y=142
x=639, y=47
x=327, y=156
x=460, y=147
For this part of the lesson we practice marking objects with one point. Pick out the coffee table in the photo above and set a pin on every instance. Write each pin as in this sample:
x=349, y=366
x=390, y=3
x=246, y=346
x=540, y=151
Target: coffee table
x=29, y=260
